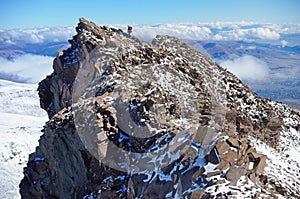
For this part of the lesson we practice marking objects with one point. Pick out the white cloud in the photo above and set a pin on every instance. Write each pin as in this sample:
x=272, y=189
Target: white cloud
x=246, y=34
x=28, y=67
x=39, y=35
x=183, y=31
x=265, y=33
x=225, y=31
x=247, y=68
x=284, y=43
x=218, y=37
x=246, y=31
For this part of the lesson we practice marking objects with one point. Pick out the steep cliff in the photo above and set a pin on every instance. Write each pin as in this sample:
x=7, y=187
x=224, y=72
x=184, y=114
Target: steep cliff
x=129, y=119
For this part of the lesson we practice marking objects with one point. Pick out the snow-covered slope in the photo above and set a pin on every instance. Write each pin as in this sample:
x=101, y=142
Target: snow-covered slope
x=21, y=121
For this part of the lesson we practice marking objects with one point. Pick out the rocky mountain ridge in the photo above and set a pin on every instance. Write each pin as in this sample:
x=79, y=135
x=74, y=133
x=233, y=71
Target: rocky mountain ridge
x=129, y=119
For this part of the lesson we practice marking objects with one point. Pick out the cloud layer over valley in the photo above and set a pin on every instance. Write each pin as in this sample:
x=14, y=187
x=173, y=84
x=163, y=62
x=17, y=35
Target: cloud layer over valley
x=246, y=31
x=226, y=31
x=247, y=68
x=36, y=36
x=26, y=68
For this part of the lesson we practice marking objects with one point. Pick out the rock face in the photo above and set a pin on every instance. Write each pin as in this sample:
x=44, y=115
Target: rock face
x=130, y=119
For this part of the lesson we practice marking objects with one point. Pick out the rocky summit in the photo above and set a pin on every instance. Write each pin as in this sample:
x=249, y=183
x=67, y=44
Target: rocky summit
x=130, y=119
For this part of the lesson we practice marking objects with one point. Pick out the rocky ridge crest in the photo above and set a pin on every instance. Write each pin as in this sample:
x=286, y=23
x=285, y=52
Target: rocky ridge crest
x=104, y=63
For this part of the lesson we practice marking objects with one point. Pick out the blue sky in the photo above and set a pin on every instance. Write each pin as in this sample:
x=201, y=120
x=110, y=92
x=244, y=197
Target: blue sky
x=38, y=13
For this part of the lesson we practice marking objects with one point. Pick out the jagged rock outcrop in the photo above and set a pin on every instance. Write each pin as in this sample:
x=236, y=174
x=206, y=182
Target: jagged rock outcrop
x=130, y=119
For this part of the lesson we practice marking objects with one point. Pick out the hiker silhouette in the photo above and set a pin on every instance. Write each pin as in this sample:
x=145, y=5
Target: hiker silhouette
x=129, y=30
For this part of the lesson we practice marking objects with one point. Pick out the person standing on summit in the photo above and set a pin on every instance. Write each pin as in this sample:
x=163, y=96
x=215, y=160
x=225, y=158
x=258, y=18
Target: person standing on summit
x=129, y=30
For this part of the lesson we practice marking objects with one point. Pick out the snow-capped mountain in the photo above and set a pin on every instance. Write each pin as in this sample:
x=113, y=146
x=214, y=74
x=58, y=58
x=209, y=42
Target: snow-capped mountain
x=21, y=122
x=130, y=119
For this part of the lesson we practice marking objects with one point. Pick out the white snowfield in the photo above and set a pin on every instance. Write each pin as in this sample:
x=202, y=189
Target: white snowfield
x=21, y=122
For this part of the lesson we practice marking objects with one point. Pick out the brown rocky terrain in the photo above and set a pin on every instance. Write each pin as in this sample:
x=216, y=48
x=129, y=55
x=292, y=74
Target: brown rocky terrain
x=129, y=119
